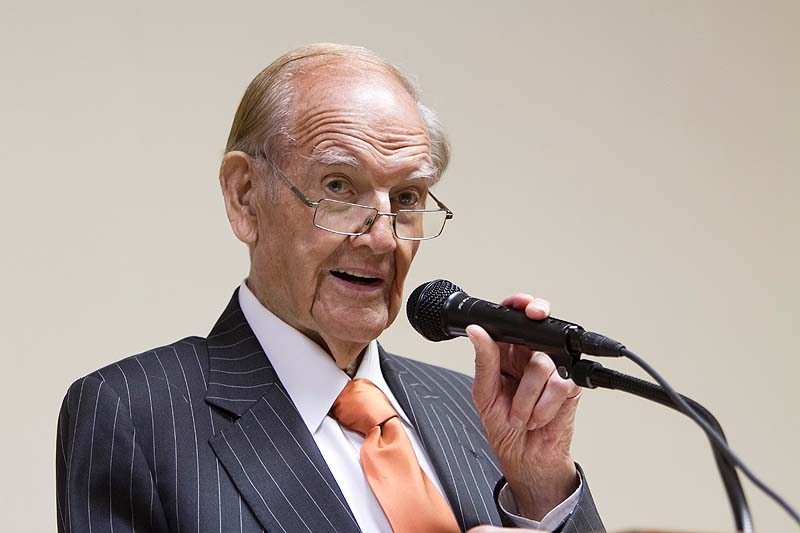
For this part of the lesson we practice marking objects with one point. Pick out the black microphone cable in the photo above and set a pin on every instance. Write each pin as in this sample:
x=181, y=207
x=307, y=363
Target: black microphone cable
x=592, y=375
x=718, y=441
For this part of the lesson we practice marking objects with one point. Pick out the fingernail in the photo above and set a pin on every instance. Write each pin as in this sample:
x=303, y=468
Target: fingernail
x=532, y=426
x=542, y=305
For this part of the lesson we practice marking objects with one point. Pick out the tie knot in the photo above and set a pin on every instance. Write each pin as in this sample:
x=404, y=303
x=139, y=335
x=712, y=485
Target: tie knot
x=362, y=406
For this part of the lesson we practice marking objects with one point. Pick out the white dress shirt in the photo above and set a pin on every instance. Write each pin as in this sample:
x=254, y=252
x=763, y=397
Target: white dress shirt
x=313, y=382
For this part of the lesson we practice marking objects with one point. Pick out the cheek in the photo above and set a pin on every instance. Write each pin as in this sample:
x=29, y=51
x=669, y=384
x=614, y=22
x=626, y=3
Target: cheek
x=314, y=252
x=404, y=255
x=408, y=250
x=286, y=259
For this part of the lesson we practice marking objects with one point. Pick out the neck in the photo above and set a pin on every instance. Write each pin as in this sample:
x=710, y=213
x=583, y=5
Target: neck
x=348, y=355
x=352, y=368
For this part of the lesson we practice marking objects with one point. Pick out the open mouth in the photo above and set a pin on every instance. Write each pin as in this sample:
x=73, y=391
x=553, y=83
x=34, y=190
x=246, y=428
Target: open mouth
x=355, y=277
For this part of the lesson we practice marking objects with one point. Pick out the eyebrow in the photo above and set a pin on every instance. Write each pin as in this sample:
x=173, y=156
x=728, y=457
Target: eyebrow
x=339, y=157
x=332, y=156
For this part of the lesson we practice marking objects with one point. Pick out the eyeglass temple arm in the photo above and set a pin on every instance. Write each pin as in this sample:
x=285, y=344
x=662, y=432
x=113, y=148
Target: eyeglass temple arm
x=442, y=206
x=302, y=197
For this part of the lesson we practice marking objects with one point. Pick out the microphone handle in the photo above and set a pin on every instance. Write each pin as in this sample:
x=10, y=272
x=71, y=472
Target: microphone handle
x=551, y=335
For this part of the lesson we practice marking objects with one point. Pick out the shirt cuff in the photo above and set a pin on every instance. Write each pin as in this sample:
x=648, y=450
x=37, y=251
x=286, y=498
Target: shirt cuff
x=551, y=521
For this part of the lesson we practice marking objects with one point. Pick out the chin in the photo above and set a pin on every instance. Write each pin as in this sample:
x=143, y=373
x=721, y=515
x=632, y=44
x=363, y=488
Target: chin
x=361, y=326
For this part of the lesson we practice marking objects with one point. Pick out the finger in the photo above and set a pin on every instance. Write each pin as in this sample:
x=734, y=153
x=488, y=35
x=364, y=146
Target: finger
x=513, y=359
x=533, y=382
x=487, y=384
x=518, y=300
x=535, y=308
x=538, y=309
x=557, y=391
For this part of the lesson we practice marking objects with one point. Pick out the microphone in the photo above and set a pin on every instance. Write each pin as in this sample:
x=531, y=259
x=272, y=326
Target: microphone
x=439, y=310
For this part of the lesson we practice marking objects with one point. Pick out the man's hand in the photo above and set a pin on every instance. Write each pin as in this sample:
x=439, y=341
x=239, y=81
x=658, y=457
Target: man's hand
x=528, y=412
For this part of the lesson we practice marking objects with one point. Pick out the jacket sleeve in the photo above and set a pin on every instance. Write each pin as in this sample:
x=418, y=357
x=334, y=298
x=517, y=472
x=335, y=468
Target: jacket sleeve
x=103, y=481
x=584, y=518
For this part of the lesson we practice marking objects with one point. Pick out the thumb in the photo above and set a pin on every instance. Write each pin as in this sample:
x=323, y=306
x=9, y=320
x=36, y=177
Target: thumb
x=487, y=384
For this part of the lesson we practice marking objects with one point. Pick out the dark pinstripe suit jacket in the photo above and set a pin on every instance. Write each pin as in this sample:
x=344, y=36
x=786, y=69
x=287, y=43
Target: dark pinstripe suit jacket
x=200, y=435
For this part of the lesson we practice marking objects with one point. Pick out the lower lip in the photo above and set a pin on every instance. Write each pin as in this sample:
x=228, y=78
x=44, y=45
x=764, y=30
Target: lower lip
x=373, y=287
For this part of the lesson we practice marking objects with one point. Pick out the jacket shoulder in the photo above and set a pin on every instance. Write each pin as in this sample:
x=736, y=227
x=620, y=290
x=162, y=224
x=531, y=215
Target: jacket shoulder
x=145, y=373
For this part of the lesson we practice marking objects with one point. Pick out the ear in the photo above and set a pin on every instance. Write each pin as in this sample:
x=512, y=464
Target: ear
x=239, y=181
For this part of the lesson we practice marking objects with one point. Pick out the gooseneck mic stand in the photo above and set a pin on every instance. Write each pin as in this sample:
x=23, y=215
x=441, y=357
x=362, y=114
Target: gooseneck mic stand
x=592, y=375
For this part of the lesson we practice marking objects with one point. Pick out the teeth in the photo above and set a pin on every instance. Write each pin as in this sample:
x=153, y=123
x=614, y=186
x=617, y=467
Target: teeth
x=354, y=274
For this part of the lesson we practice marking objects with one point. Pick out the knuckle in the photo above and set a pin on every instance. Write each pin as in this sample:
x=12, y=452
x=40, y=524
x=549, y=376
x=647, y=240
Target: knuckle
x=540, y=361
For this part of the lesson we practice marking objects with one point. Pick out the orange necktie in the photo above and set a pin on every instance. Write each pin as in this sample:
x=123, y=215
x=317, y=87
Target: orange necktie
x=409, y=499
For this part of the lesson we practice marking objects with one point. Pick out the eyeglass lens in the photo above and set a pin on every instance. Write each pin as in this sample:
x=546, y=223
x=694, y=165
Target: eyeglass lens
x=341, y=217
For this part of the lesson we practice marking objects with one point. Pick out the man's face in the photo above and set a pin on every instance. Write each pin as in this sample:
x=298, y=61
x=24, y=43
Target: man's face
x=360, y=139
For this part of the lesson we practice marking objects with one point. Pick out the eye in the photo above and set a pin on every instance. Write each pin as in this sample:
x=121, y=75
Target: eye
x=338, y=186
x=409, y=199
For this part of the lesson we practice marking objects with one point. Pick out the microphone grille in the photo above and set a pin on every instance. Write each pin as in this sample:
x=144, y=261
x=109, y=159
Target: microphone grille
x=424, y=308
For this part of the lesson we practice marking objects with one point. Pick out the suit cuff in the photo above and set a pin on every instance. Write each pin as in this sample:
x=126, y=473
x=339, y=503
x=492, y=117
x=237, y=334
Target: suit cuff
x=552, y=521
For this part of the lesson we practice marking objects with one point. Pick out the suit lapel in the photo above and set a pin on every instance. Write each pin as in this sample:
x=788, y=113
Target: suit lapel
x=440, y=407
x=267, y=449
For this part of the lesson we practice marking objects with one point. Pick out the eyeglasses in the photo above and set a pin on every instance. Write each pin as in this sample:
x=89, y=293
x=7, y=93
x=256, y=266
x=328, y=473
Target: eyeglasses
x=345, y=218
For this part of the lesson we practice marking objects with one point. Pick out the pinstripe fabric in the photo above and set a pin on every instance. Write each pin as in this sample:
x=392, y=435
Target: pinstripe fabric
x=439, y=402
x=200, y=435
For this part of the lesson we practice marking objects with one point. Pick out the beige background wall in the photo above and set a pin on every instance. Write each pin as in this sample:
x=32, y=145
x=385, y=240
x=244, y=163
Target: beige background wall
x=636, y=163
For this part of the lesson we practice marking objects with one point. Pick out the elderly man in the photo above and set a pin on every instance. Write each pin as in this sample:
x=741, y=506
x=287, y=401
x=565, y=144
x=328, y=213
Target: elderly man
x=289, y=416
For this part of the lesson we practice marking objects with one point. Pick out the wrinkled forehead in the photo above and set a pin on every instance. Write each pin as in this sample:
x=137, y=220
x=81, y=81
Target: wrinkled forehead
x=353, y=90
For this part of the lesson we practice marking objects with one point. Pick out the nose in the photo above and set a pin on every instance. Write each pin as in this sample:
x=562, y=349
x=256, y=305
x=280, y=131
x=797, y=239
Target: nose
x=379, y=237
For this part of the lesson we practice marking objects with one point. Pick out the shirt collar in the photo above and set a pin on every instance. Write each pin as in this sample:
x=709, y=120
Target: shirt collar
x=309, y=373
